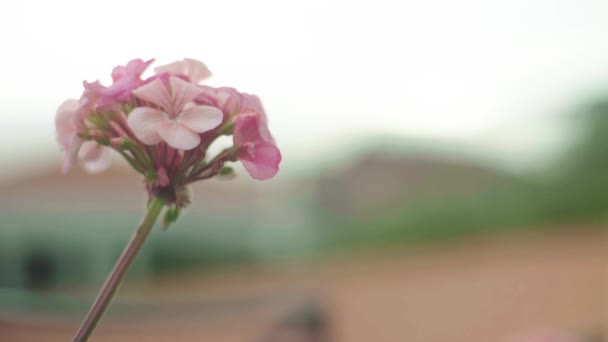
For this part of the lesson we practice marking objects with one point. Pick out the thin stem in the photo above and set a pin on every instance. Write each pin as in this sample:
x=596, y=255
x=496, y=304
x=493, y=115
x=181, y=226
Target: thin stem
x=139, y=154
x=200, y=168
x=134, y=164
x=120, y=269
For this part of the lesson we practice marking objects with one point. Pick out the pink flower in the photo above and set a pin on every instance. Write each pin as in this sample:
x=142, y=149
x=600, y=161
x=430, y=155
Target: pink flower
x=180, y=122
x=126, y=78
x=169, y=107
x=257, y=150
x=95, y=156
x=191, y=69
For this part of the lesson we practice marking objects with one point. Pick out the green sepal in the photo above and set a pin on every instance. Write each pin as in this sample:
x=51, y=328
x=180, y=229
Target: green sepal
x=171, y=215
x=226, y=171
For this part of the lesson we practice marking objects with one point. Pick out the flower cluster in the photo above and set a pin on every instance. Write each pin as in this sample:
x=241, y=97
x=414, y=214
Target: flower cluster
x=163, y=126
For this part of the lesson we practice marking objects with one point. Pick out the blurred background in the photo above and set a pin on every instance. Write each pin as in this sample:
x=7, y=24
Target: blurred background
x=444, y=175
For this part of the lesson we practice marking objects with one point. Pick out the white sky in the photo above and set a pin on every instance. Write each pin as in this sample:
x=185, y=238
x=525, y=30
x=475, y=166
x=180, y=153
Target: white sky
x=327, y=71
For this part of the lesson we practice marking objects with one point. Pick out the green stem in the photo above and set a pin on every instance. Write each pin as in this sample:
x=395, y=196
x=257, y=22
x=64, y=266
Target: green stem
x=201, y=167
x=140, y=155
x=120, y=269
x=134, y=164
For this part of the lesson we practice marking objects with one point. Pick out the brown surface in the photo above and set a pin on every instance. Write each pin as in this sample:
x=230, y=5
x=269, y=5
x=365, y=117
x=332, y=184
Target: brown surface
x=473, y=290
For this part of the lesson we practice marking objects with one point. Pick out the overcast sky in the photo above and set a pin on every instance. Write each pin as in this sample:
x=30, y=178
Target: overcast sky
x=329, y=72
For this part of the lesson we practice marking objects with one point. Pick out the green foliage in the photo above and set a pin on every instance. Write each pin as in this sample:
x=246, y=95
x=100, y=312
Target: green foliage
x=520, y=207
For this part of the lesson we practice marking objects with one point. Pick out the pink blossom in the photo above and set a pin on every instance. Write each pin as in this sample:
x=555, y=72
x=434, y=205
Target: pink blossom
x=191, y=69
x=95, y=156
x=126, y=78
x=169, y=107
x=257, y=150
x=180, y=122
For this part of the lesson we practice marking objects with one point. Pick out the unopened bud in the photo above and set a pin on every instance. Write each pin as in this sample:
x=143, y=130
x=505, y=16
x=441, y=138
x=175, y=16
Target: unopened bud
x=162, y=179
x=118, y=143
x=122, y=143
x=99, y=137
x=226, y=171
x=129, y=143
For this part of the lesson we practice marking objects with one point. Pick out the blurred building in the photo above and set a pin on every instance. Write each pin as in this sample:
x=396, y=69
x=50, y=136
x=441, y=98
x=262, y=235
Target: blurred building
x=60, y=231
x=379, y=182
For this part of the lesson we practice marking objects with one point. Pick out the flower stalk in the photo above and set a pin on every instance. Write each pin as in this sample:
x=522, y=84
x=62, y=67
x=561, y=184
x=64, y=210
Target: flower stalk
x=120, y=269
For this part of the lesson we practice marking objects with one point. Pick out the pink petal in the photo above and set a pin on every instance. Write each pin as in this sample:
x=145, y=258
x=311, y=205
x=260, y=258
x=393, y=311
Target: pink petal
x=246, y=129
x=178, y=136
x=90, y=151
x=264, y=162
x=195, y=71
x=71, y=153
x=264, y=131
x=96, y=157
x=94, y=87
x=175, y=68
x=134, y=67
x=252, y=104
x=64, y=124
x=222, y=99
x=182, y=92
x=210, y=97
x=230, y=100
x=119, y=91
x=154, y=92
x=125, y=79
x=258, y=152
x=145, y=123
x=201, y=119
x=85, y=105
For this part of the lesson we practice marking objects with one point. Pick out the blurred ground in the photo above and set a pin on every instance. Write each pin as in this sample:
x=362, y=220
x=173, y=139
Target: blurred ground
x=474, y=289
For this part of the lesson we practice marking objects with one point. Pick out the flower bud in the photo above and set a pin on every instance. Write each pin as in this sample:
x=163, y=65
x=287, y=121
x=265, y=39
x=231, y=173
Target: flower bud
x=99, y=137
x=118, y=143
x=171, y=215
x=162, y=179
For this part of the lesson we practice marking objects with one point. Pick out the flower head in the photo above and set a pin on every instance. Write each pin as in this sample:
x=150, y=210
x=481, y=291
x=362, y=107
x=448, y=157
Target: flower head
x=163, y=126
